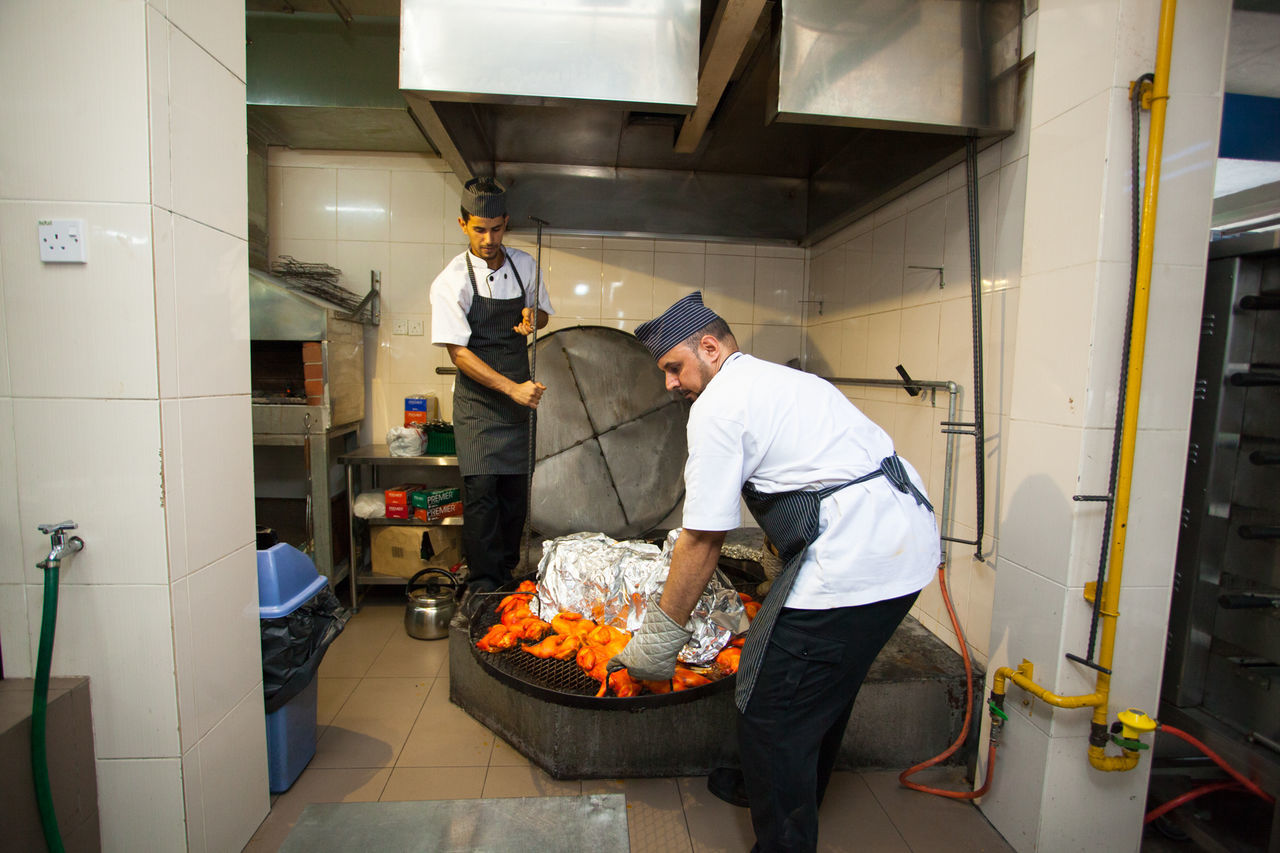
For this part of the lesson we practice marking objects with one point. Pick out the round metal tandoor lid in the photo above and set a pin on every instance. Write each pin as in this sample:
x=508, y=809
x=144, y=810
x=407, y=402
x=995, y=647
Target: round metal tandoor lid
x=611, y=439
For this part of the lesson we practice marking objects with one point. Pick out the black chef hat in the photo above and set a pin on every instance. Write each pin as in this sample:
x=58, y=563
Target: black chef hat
x=484, y=197
x=686, y=317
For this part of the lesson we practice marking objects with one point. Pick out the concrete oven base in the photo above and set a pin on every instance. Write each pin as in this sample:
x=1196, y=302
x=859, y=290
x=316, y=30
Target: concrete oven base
x=910, y=708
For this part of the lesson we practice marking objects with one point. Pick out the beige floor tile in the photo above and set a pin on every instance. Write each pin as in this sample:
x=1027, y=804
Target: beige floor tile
x=851, y=818
x=655, y=814
x=527, y=782
x=404, y=656
x=333, y=693
x=933, y=824
x=506, y=755
x=444, y=735
x=714, y=825
x=315, y=785
x=359, y=644
x=435, y=783
x=373, y=724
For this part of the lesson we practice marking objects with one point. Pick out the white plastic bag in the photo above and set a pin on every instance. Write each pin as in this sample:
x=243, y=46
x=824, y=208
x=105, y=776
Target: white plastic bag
x=406, y=441
x=370, y=505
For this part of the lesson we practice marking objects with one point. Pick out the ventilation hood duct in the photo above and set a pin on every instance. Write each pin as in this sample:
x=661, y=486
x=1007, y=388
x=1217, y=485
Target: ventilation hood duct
x=316, y=81
x=737, y=119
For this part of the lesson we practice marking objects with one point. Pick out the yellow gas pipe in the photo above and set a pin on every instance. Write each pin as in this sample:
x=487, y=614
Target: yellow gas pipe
x=1157, y=99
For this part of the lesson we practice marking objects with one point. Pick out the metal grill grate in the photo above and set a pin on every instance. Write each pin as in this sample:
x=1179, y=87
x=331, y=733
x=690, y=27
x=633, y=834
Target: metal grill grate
x=563, y=681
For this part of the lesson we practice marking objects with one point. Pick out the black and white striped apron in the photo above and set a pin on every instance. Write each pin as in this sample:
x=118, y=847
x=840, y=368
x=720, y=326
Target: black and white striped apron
x=491, y=429
x=790, y=520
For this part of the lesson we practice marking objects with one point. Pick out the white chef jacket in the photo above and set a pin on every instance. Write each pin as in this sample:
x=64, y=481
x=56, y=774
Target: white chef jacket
x=785, y=430
x=451, y=292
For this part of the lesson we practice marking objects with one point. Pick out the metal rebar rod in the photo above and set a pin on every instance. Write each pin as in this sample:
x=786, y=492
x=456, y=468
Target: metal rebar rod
x=975, y=285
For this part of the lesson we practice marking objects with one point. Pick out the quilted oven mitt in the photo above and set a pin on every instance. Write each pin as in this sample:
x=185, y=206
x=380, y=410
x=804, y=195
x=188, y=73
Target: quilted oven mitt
x=651, y=654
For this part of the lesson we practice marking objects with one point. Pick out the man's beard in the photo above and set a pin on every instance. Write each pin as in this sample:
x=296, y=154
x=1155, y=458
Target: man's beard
x=705, y=374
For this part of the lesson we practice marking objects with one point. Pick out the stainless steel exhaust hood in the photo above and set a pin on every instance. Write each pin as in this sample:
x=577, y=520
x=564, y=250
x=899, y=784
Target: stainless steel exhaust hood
x=776, y=120
x=583, y=107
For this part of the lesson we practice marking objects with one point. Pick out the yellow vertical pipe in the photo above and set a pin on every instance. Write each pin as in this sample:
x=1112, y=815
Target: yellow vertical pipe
x=1109, y=603
x=1110, y=592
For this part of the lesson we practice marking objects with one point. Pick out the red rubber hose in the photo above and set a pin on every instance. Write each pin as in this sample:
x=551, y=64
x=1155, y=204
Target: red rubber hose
x=1188, y=797
x=968, y=718
x=1240, y=778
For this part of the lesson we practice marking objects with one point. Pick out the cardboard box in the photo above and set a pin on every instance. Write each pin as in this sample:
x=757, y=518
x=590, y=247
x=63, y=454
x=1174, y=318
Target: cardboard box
x=398, y=512
x=399, y=495
x=429, y=498
x=396, y=550
x=435, y=513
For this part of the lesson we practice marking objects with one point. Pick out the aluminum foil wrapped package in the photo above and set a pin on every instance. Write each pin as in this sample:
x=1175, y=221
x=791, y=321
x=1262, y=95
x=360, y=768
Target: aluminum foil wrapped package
x=613, y=582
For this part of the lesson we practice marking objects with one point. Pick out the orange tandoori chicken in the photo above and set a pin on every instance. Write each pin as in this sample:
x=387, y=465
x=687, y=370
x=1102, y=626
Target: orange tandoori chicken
x=590, y=644
x=497, y=639
x=558, y=646
x=686, y=678
x=728, y=658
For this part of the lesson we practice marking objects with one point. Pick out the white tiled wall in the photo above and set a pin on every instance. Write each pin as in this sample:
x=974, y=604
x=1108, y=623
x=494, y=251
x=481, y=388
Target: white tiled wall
x=1054, y=201
x=202, y=313
x=878, y=312
x=109, y=371
x=398, y=213
x=1064, y=391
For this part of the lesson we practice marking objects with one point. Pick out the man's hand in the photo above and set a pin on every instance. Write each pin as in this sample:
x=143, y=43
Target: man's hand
x=528, y=393
x=651, y=653
x=525, y=326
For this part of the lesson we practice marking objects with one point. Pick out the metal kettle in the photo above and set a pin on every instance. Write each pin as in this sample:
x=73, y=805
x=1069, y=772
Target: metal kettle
x=431, y=604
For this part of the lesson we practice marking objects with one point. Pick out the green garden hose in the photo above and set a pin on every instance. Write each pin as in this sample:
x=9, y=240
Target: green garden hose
x=39, y=712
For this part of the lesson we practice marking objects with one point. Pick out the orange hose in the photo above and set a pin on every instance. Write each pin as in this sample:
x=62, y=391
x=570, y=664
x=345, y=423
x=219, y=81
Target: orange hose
x=1188, y=797
x=968, y=718
x=1240, y=778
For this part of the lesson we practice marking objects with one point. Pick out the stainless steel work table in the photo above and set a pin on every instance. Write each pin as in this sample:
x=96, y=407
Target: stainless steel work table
x=363, y=474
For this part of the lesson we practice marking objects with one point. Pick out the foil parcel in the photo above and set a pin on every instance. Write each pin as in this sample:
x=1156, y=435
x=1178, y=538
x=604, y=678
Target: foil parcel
x=614, y=582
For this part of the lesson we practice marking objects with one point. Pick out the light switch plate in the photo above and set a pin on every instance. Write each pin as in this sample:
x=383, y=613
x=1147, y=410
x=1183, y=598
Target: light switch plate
x=400, y=327
x=63, y=241
x=415, y=327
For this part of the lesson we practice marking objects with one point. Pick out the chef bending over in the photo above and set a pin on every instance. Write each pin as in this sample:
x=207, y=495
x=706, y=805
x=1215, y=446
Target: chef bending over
x=851, y=523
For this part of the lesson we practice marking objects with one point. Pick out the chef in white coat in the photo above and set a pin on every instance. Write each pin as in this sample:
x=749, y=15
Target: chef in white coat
x=483, y=306
x=851, y=523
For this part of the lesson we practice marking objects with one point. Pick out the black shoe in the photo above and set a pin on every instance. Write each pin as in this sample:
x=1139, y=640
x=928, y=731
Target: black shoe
x=469, y=602
x=727, y=784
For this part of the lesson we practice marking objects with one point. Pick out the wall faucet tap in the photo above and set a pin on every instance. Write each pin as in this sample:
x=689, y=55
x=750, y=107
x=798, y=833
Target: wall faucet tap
x=60, y=545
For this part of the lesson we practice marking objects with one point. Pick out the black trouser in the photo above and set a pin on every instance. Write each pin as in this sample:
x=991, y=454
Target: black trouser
x=789, y=736
x=494, y=507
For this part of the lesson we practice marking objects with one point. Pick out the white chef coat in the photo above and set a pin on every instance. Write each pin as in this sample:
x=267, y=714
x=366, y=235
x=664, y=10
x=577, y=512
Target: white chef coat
x=451, y=292
x=785, y=430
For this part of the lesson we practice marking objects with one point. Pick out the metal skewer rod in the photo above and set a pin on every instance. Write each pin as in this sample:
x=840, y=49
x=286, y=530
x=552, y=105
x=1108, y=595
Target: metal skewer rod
x=533, y=413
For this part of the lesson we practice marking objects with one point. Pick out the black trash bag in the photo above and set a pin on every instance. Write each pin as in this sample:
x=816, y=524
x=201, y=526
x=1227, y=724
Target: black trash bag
x=294, y=645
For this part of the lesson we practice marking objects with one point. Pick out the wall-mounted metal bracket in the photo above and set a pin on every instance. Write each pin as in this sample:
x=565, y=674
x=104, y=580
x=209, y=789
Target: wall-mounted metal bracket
x=938, y=270
x=373, y=299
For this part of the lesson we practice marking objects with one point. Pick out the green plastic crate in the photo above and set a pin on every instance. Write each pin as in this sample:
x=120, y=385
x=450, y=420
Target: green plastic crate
x=440, y=441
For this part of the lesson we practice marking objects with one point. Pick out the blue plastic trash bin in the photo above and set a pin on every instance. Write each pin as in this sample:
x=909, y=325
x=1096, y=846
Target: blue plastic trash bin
x=287, y=579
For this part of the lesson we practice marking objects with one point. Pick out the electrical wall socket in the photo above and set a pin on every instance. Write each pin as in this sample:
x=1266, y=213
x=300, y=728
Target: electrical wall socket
x=63, y=241
x=399, y=327
x=416, y=327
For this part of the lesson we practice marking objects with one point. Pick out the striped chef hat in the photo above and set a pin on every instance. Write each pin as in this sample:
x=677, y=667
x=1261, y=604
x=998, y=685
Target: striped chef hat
x=484, y=197
x=687, y=316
